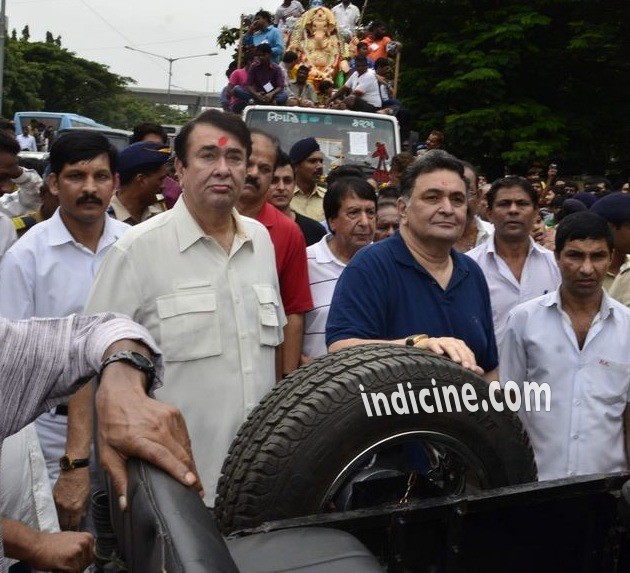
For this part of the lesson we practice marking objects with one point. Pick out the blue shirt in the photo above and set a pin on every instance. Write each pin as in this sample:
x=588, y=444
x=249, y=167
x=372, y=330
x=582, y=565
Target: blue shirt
x=272, y=36
x=385, y=294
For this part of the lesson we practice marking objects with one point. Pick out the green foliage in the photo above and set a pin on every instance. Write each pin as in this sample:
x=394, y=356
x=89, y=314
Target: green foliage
x=227, y=37
x=46, y=76
x=516, y=81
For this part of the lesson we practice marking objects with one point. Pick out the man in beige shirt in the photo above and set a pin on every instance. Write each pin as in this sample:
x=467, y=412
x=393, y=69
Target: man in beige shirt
x=615, y=208
x=142, y=171
x=202, y=278
x=308, y=162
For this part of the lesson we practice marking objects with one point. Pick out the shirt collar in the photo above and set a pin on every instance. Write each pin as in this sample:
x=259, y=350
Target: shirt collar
x=553, y=299
x=120, y=211
x=189, y=232
x=403, y=255
x=268, y=215
x=533, y=246
x=319, y=191
x=58, y=233
x=325, y=254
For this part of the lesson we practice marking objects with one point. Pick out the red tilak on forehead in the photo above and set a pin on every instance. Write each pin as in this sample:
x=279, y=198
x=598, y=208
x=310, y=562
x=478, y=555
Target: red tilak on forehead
x=223, y=141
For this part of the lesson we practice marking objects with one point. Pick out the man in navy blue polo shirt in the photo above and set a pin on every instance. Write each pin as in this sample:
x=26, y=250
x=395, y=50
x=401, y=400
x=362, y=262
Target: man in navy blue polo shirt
x=414, y=282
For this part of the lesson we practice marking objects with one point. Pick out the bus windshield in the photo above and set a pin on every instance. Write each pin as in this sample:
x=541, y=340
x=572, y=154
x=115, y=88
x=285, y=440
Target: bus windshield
x=344, y=136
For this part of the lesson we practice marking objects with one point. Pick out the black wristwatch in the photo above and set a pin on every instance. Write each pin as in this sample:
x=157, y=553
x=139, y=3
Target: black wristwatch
x=137, y=360
x=66, y=463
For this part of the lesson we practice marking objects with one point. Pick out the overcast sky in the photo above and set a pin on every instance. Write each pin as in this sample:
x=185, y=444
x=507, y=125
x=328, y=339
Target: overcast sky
x=98, y=30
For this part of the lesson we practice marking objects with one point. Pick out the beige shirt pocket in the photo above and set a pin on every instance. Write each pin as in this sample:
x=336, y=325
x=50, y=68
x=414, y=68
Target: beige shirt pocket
x=189, y=325
x=268, y=315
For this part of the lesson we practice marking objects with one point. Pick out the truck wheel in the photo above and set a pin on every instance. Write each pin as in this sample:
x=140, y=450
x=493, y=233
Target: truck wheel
x=307, y=445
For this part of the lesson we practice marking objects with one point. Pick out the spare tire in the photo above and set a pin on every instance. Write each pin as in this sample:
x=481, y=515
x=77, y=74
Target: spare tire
x=301, y=449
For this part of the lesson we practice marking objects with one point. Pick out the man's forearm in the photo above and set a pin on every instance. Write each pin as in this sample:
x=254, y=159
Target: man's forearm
x=350, y=342
x=18, y=539
x=292, y=345
x=79, y=435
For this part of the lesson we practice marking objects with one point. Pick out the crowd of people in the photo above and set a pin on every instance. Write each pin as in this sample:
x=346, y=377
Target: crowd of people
x=249, y=267
x=282, y=61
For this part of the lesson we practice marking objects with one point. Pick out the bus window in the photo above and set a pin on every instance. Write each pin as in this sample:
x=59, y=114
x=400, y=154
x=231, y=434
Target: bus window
x=55, y=120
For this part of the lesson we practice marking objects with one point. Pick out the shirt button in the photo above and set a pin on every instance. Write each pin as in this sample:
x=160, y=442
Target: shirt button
x=577, y=402
x=575, y=436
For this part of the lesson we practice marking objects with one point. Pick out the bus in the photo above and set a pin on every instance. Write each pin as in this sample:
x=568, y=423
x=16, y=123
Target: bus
x=366, y=139
x=54, y=119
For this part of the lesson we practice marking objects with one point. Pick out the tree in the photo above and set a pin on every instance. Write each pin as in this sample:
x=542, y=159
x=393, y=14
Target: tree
x=512, y=82
x=46, y=76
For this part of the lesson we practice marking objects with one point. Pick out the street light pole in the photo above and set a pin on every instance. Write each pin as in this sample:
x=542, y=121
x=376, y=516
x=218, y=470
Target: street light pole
x=170, y=64
x=207, y=74
x=3, y=34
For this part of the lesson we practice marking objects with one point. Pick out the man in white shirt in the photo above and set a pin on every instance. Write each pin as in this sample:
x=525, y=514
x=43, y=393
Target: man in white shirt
x=516, y=268
x=575, y=340
x=347, y=16
x=350, y=208
x=8, y=234
x=19, y=187
x=361, y=90
x=288, y=9
x=476, y=231
x=203, y=280
x=26, y=140
x=48, y=273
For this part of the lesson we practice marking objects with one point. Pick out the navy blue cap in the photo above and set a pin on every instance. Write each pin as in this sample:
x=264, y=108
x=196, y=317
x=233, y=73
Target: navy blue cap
x=142, y=154
x=585, y=197
x=573, y=206
x=302, y=149
x=615, y=208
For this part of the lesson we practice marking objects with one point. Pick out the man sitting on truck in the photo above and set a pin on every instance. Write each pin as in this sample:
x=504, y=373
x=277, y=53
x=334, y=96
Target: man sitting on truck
x=265, y=81
x=361, y=91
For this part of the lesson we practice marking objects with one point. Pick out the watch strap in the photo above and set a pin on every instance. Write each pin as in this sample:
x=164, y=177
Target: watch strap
x=135, y=359
x=67, y=463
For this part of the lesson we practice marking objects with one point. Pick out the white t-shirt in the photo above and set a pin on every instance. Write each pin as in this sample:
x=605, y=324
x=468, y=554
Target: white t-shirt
x=346, y=18
x=27, y=142
x=368, y=84
x=324, y=270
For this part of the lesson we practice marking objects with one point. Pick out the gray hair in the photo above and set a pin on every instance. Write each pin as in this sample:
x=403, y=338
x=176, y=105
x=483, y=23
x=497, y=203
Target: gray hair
x=434, y=160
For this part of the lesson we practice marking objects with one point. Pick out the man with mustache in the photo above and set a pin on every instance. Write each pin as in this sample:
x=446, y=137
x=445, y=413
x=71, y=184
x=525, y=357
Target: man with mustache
x=308, y=162
x=142, y=170
x=516, y=268
x=288, y=242
x=48, y=273
x=211, y=298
